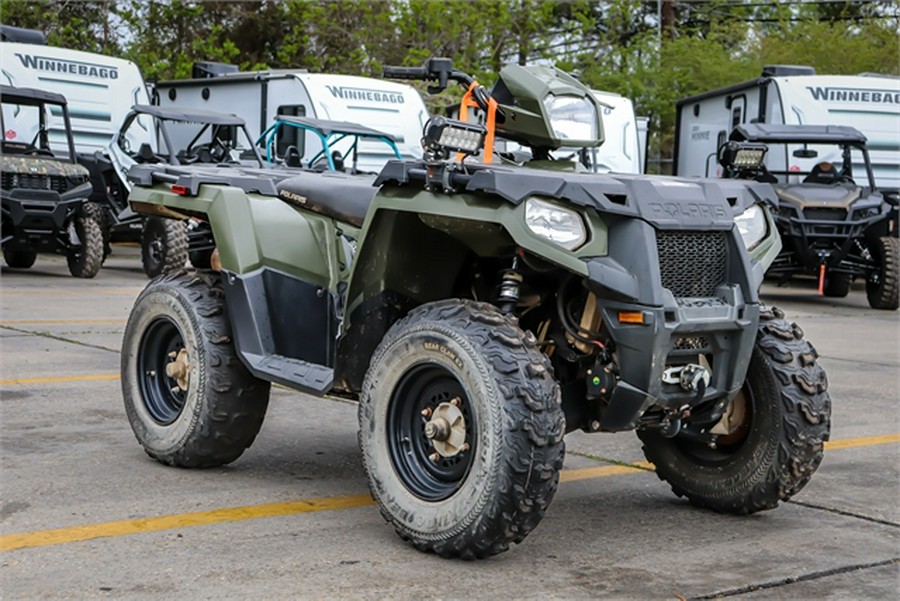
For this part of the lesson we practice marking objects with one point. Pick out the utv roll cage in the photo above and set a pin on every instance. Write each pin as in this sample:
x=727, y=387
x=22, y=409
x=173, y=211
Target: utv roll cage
x=329, y=133
x=39, y=99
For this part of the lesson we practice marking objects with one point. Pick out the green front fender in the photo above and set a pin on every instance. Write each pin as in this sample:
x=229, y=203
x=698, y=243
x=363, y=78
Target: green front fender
x=407, y=229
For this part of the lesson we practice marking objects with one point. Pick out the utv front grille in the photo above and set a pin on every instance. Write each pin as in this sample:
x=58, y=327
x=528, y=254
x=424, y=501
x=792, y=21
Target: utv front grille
x=691, y=343
x=692, y=264
x=30, y=181
x=825, y=214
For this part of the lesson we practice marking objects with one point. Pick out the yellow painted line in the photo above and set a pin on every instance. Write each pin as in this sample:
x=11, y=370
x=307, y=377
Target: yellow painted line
x=865, y=441
x=606, y=470
x=87, y=378
x=59, y=536
x=41, y=322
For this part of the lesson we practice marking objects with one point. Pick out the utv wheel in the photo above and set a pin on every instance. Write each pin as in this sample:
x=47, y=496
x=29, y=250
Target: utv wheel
x=189, y=399
x=837, y=285
x=461, y=429
x=85, y=260
x=883, y=288
x=770, y=454
x=164, y=245
x=19, y=259
x=99, y=214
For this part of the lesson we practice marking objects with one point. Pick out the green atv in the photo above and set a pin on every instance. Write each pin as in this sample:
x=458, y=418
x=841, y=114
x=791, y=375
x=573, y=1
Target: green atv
x=45, y=191
x=479, y=310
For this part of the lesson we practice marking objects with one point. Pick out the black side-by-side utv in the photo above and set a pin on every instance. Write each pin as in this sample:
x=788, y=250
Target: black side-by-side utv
x=45, y=192
x=833, y=222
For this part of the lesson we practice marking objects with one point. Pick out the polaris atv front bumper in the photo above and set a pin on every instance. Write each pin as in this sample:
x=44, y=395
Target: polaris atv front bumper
x=721, y=329
x=695, y=295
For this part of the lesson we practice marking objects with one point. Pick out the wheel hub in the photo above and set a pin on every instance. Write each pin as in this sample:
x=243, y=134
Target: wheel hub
x=179, y=368
x=447, y=429
x=734, y=424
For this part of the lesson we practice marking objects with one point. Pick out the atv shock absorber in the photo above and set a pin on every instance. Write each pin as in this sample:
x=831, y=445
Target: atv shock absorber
x=508, y=293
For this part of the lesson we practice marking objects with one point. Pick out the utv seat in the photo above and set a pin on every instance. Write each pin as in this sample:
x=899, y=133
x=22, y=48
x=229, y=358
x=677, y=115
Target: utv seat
x=337, y=195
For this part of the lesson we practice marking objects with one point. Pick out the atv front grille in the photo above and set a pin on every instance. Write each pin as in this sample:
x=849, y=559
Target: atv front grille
x=692, y=264
x=33, y=181
x=691, y=343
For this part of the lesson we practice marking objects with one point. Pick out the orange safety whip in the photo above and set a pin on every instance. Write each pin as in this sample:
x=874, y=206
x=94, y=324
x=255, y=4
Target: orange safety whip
x=490, y=122
x=821, y=279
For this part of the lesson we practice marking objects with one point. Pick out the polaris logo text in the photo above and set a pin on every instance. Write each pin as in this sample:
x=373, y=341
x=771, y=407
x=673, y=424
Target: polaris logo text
x=693, y=210
x=56, y=65
x=366, y=94
x=854, y=95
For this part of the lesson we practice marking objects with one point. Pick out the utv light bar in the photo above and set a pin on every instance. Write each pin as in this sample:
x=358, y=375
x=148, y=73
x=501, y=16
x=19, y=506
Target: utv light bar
x=742, y=155
x=448, y=135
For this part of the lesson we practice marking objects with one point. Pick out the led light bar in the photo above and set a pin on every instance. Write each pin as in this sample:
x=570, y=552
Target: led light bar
x=449, y=135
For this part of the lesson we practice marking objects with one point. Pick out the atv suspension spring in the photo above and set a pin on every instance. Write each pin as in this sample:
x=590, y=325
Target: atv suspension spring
x=508, y=293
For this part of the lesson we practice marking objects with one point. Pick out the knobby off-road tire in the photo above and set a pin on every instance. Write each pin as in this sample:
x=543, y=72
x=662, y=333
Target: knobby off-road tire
x=790, y=420
x=101, y=216
x=221, y=412
x=164, y=245
x=474, y=504
x=85, y=261
x=20, y=259
x=885, y=292
x=837, y=285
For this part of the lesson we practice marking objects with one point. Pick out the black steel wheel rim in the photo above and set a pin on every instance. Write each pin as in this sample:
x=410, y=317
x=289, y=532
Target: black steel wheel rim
x=423, y=387
x=155, y=247
x=162, y=398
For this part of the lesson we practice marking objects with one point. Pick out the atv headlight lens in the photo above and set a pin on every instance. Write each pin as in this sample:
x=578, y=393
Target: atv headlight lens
x=572, y=118
x=752, y=226
x=563, y=227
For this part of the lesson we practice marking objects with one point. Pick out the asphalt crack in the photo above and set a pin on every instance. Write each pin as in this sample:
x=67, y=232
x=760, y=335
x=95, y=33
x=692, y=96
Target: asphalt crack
x=842, y=512
x=60, y=338
x=750, y=588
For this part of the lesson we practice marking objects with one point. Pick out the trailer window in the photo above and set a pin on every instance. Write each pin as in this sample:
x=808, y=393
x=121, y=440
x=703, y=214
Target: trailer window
x=736, y=116
x=290, y=136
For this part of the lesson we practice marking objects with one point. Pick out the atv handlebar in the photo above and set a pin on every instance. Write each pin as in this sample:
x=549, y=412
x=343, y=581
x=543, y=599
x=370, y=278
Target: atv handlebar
x=436, y=69
x=420, y=73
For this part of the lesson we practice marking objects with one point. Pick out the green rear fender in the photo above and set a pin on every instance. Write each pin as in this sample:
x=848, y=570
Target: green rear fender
x=252, y=230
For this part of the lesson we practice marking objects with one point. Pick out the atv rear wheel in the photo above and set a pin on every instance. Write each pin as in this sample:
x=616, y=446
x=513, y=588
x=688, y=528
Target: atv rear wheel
x=883, y=287
x=164, y=245
x=461, y=429
x=837, y=285
x=189, y=399
x=19, y=259
x=778, y=445
x=85, y=260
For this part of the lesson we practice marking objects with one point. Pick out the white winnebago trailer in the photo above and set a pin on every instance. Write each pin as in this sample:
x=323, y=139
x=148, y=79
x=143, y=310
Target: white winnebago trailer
x=793, y=95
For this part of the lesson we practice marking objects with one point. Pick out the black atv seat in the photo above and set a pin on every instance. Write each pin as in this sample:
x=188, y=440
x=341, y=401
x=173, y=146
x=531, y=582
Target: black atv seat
x=343, y=197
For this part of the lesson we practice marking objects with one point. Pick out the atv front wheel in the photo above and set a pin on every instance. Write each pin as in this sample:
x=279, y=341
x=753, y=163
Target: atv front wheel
x=164, y=245
x=19, y=259
x=85, y=260
x=775, y=444
x=461, y=429
x=883, y=287
x=189, y=399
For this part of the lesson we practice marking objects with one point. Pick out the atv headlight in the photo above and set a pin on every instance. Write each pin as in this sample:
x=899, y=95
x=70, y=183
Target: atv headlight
x=752, y=226
x=572, y=118
x=563, y=227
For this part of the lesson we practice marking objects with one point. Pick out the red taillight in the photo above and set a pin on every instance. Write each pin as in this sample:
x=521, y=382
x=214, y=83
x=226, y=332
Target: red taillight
x=181, y=190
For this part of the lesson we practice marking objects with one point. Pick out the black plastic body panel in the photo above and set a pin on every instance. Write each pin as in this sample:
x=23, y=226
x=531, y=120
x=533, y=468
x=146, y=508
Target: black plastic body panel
x=284, y=328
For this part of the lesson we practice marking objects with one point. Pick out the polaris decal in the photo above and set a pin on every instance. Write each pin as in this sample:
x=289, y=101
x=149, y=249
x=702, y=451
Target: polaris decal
x=854, y=95
x=58, y=65
x=366, y=94
x=691, y=210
